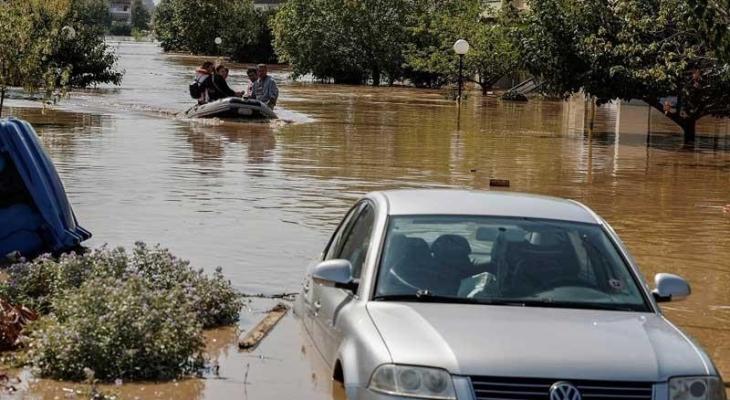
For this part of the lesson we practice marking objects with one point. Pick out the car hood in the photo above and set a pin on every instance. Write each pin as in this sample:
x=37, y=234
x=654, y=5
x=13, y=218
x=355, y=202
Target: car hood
x=537, y=342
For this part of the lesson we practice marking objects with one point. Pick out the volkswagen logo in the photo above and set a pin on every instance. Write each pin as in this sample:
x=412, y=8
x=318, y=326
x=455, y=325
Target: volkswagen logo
x=564, y=391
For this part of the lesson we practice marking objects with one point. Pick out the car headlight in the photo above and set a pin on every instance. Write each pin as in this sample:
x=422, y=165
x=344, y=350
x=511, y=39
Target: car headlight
x=408, y=381
x=696, y=388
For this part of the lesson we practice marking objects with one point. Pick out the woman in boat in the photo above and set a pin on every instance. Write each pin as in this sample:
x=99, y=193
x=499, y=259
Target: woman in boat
x=219, y=86
x=200, y=87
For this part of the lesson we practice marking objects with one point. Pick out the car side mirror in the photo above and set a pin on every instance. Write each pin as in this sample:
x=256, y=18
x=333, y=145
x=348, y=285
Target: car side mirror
x=335, y=273
x=670, y=287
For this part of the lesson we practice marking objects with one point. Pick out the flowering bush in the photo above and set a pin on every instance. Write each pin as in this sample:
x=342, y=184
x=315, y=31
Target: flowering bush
x=120, y=329
x=36, y=283
x=213, y=298
x=136, y=315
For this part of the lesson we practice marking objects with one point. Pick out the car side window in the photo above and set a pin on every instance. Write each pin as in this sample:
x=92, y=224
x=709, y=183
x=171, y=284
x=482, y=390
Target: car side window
x=335, y=244
x=357, y=240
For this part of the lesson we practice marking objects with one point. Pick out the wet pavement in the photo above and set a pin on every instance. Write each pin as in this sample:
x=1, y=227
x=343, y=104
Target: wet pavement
x=260, y=199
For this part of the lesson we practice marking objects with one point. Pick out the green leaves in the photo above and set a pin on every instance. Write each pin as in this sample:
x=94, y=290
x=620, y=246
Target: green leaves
x=140, y=16
x=360, y=41
x=50, y=45
x=713, y=18
x=627, y=49
x=193, y=25
x=348, y=41
x=488, y=31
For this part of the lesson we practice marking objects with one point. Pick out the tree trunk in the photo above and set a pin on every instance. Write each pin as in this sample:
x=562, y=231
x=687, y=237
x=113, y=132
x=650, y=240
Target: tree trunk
x=376, y=76
x=689, y=126
x=485, y=88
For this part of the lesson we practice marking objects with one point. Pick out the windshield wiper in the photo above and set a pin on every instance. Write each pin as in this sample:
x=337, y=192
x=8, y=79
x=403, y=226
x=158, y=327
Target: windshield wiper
x=578, y=305
x=425, y=296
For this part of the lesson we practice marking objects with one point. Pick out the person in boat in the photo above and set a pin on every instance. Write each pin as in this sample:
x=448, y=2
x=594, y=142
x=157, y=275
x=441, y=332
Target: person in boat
x=219, y=85
x=199, y=87
x=252, y=77
x=264, y=89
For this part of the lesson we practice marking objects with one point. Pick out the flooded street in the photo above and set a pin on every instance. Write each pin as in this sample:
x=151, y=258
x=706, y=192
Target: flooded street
x=261, y=199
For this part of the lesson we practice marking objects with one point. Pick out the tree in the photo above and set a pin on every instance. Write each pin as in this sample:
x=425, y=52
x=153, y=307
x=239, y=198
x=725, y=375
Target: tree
x=348, y=41
x=439, y=24
x=85, y=54
x=192, y=25
x=140, y=16
x=20, y=56
x=92, y=13
x=714, y=21
x=45, y=44
x=650, y=50
x=261, y=50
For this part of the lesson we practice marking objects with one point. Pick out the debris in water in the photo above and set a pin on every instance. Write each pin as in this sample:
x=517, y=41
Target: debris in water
x=259, y=332
x=499, y=182
x=12, y=321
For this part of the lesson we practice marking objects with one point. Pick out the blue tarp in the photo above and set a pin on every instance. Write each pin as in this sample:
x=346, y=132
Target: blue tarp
x=44, y=221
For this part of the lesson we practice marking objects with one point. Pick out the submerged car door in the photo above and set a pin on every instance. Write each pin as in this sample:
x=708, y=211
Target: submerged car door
x=310, y=291
x=353, y=246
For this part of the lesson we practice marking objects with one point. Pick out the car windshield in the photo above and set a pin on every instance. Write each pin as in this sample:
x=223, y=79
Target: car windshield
x=506, y=261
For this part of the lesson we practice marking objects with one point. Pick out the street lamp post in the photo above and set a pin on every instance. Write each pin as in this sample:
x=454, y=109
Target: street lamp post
x=461, y=47
x=218, y=42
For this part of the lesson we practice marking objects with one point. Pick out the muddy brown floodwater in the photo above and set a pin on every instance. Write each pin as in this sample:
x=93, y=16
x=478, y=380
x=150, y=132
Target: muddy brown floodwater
x=261, y=199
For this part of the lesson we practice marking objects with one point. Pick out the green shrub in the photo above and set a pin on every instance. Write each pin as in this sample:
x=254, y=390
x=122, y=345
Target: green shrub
x=119, y=328
x=213, y=298
x=128, y=315
x=36, y=283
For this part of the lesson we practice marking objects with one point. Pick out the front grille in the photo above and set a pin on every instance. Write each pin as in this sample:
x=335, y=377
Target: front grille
x=497, y=388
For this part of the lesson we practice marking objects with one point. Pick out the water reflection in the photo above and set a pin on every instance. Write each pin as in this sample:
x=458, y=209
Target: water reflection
x=261, y=199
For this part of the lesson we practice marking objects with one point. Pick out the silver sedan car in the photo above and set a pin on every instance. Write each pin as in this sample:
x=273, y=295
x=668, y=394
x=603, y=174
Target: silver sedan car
x=446, y=294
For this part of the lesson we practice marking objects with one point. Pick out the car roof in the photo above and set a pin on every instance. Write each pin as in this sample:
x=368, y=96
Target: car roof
x=464, y=202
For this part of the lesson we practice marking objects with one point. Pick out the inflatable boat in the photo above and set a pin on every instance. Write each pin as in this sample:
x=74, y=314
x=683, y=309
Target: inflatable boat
x=35, y=214
x=232, y=107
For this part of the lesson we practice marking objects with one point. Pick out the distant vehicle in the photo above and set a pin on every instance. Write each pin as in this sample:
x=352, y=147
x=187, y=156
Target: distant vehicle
x=232, y=108
x=35, y=214
x=441, y=294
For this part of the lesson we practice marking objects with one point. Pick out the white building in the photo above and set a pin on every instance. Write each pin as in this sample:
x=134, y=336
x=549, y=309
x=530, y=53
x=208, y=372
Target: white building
x=121, y=10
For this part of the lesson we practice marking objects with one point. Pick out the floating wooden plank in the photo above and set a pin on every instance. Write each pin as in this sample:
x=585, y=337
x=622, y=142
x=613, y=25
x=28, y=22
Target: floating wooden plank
x=253, y=337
